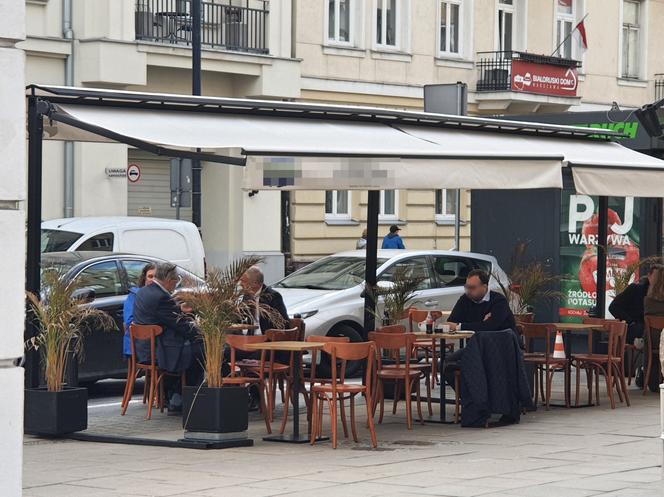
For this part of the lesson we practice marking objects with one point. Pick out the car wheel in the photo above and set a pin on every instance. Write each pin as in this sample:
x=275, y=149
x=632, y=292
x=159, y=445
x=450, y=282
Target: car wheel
x=353, y=368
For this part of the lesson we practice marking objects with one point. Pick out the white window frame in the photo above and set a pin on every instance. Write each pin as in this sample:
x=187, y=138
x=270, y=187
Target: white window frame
x=462, y=27
x=519, y=10
x=444, y=215
x=353, y=25
x=560, y=19
x=402, y=27
x=389, y=217
x=335, y=215
x=642, y=48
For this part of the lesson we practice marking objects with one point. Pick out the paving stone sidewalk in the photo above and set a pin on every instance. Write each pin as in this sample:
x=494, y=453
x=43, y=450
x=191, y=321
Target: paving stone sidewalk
x=561, y=453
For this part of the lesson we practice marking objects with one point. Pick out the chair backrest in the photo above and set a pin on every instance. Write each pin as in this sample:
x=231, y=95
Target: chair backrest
x=341, y=353
x=416, y=316
x=144, y=332
x=526, y=317
x=301, y=326
x=314, y=352
x=393, y=328
x=240, y=342
x=655, y=323
x=391, y=345
x=289, y=335
x=617, y=338
x=532, y=331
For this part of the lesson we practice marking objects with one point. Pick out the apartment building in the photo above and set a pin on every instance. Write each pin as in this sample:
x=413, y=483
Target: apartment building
x=382, y=52
x=145, y=45
x=362, y=52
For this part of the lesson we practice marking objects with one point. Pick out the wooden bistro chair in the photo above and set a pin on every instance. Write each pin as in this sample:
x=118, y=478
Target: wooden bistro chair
x=391, y=344
x=337, y=390
x=653, y=327
x=428, y=346
x=314, y=379
x=611, y=365
x=426, y=369
x=154, y=386
x=239, y=376
x=544, y=363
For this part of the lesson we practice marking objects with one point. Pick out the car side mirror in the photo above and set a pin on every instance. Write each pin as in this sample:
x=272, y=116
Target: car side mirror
x=385, y=285
x=85, y=295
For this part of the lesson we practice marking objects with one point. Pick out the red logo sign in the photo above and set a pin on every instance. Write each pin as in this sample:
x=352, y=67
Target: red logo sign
x=544, y=79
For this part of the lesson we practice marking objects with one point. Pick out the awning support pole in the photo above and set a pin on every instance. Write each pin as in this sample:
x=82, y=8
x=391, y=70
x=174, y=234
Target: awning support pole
x=33, y=249
x=373, y=208
x=196, y=215
x=602, y=236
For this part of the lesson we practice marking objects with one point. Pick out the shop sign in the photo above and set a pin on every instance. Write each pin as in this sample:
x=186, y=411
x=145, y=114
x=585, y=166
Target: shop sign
x=544, y=79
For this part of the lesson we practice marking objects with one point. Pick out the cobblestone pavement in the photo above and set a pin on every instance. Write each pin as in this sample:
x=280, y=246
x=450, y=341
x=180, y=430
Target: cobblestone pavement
x=561, y=453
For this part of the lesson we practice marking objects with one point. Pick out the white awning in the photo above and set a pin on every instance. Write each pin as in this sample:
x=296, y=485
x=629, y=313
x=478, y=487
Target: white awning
x=323, y=153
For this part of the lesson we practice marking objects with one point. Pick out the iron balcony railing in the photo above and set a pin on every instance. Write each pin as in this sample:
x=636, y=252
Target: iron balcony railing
x=494, y=69
x=225, y=26
x=659, y=86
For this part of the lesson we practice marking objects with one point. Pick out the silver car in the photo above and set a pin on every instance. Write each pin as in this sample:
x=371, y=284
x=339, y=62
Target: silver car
x=328, y=293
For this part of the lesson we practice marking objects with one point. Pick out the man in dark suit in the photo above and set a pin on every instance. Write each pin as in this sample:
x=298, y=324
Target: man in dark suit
x=478, y=309
x=254, y=287
x=178, y=347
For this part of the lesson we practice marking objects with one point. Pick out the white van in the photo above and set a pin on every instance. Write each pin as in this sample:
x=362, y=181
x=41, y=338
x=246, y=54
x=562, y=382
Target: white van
x=176, y=241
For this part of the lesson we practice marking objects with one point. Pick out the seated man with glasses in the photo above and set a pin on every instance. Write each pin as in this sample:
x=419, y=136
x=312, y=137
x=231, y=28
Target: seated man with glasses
x=178, y=347
x=478, y=309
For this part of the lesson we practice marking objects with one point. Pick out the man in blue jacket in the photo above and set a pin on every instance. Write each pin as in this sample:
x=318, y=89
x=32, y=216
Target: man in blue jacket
x=392, y=240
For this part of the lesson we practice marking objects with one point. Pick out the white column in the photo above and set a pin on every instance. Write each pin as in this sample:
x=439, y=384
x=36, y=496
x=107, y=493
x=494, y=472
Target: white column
x=12, y=241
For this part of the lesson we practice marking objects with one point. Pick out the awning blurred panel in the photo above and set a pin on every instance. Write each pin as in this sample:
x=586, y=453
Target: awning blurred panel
x=348, y=173
x=618, y=182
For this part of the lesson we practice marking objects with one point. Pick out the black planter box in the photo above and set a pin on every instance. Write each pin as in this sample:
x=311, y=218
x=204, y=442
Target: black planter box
x=215, y=410
x=55, y=413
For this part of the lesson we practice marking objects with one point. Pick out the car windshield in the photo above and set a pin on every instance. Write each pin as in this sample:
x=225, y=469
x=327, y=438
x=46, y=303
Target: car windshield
x=331, y=273
x=58, y=240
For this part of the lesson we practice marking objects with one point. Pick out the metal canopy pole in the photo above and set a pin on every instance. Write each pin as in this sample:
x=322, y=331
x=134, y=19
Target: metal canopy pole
x=196, y=90
x=33, y=249
x=602, y=237
x=373, y=208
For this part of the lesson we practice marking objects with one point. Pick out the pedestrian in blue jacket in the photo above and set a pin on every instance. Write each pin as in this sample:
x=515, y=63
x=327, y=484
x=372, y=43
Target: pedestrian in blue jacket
x=392, y=240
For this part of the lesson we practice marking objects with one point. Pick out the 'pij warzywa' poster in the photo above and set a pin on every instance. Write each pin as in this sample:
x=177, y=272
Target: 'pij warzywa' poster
x=578, y=249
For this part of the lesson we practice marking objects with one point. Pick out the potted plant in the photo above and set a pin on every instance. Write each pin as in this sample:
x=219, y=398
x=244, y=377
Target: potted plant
x=214, y=411
x=528, y=284
x=397, y=295
x=61, y=317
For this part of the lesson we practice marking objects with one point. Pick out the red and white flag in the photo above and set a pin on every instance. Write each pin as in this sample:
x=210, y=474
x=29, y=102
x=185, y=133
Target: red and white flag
x=579, y=34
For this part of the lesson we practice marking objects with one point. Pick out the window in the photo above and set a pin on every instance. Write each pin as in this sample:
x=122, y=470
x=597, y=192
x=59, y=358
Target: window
x=565, y=22
x=445, y=204
x=451, y=271
x=133, y=270
x=103, y=278
x=339, y=21
x=631, y=39
x=387, y=22
x=98, y=243
x=389, y=205
x=415, y=267
x=337, y=204
x=506, y=24
x=450, y=27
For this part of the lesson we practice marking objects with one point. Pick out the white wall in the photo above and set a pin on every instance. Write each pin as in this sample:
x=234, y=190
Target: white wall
x=12, y=241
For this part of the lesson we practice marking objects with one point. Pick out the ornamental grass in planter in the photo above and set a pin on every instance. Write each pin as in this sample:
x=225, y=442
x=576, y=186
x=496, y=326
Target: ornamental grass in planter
x=61, y=317
x=217, y=304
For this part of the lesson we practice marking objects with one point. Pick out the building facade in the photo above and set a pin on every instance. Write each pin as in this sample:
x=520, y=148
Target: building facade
x=383, y=52
x=357, y=52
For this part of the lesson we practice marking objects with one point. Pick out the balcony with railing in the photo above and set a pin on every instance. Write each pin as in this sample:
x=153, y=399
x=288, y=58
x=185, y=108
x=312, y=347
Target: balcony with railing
x=525, y=82
x=224, y=26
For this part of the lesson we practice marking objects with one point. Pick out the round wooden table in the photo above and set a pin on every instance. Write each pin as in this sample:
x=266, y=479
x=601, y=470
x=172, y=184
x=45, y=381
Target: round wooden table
x=462, y=336
x=298, y=348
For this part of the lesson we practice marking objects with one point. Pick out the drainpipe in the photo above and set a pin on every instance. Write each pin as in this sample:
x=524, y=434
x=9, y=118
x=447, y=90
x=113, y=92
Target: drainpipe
x=68, y=34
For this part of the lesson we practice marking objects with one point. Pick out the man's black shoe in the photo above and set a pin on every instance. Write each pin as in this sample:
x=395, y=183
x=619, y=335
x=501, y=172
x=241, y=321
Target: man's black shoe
x=638, y=380
x=254, y=398
x=174, y=410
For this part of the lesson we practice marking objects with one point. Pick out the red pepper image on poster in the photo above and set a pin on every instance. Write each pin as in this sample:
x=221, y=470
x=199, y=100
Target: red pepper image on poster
x=622, y=253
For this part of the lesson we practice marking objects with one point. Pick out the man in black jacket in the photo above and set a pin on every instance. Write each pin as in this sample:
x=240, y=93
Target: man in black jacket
x=253, y=284
x=628, y=306
x=479, y=309
x=178, y=347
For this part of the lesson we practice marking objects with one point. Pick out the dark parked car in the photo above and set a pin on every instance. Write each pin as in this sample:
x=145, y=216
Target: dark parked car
x=105, y=281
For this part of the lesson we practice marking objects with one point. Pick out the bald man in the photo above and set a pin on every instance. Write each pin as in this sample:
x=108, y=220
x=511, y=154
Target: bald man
x=252, y=282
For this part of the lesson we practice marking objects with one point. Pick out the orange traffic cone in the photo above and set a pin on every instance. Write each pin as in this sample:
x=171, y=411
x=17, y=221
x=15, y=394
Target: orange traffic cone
x=559, y=347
